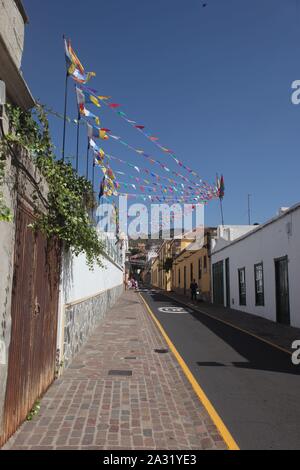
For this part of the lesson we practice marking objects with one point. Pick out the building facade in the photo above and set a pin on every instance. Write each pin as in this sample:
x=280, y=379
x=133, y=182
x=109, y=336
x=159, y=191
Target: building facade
x=259, y=271
x=191, y=265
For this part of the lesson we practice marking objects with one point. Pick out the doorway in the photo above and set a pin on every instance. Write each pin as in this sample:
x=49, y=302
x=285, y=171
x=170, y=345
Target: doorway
x=282, y=291
x=227, y=276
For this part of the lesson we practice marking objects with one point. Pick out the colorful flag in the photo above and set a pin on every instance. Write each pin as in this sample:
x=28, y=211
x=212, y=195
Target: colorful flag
x=80, y=97
x=74, y=67
x=91, y=99
x=82, y=77
x=86, y=113
x=96, y=132
x=221, y=187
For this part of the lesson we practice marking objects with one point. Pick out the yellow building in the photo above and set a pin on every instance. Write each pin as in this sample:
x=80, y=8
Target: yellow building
x=193, y=265
x=154, y=272
x=176, y=266
x=161, y=270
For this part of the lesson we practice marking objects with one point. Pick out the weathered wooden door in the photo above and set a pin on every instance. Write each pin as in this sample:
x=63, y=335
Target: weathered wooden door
x=32, y=350
x=282, y=290
x=218, y=283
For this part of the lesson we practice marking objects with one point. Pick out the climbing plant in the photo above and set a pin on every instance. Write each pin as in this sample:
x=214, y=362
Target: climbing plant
x=5, y=213
x=70, y=196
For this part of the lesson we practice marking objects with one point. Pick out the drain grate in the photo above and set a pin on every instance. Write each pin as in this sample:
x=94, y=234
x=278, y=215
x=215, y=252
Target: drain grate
x=130, y=358
x=161, y=351
x=123, y=373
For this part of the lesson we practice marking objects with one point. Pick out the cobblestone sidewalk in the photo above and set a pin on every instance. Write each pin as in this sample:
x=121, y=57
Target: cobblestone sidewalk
x=149, y=404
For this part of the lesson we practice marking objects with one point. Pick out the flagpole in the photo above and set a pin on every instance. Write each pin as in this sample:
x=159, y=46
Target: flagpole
x=65, y=116
x=93, y=183
x=77, y=144
x=87, y=159
x=221, y=207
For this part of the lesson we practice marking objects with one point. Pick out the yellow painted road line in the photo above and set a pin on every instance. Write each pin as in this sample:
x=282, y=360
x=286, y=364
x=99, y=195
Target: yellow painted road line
x=229, y=440
x=195, y=308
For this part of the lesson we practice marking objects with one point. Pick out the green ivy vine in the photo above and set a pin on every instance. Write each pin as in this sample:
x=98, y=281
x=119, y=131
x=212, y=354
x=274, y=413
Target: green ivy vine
x=70, y=196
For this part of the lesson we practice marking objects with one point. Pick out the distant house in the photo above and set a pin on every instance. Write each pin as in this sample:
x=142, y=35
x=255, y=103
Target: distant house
x=259, y=271
x=190, y=264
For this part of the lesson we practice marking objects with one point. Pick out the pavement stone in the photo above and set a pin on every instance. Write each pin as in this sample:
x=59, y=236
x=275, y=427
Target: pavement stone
x=154, y=408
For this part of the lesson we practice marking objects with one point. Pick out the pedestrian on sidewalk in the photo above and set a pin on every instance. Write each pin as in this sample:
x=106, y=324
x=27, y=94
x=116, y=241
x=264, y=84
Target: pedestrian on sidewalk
x=194, y=288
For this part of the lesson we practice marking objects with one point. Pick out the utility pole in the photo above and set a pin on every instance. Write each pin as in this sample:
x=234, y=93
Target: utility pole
x=249, y=210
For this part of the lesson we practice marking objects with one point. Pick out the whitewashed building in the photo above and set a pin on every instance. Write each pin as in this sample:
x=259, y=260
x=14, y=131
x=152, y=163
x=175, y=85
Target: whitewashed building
x=259, y=272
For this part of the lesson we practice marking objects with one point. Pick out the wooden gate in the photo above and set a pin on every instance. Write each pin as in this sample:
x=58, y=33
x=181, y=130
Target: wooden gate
x=32, y=351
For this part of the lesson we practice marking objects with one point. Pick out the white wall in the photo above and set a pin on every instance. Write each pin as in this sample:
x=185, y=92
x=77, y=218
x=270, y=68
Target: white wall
x=79, y=283
x=265, y=244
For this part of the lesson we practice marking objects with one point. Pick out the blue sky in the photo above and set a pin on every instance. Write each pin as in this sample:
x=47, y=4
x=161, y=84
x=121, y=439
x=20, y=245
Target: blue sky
x=213, y=83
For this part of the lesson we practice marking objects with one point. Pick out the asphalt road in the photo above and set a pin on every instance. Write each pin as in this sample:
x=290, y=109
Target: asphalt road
x=253, y=386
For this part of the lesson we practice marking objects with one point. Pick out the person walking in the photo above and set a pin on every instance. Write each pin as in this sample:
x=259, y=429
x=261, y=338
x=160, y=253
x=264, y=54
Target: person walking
x=194, y=288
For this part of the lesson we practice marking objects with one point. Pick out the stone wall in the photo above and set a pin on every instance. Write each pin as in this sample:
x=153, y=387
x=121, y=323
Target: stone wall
x=81, y=318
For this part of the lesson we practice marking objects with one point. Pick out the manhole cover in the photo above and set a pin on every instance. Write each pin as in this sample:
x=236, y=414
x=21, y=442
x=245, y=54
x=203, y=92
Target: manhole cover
x=161, y=351
x=123, y=373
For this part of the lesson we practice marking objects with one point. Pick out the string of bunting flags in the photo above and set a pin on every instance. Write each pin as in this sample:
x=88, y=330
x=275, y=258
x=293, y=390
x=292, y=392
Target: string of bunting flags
x=141, y=128
x=100, y=156
x=189, y=188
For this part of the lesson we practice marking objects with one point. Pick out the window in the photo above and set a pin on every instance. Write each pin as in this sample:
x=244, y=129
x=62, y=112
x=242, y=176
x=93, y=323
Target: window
x=259, y=284
x=242, y=286
x=179, y=277
x=192, y=272
x=200, y=268
x=205, y=263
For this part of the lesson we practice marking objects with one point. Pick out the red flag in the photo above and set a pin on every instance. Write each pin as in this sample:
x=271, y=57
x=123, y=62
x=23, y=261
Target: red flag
x=114, y=105
x=140, y=127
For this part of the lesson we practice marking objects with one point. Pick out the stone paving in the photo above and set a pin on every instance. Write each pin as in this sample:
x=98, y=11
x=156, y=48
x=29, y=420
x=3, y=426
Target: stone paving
x=149, y=404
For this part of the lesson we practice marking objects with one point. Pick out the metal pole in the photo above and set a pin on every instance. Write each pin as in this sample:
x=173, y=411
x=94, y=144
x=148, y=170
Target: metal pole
x=65, y=117
x=77, y=147
x=87, y=160
x=222, y=216
x=93, y=183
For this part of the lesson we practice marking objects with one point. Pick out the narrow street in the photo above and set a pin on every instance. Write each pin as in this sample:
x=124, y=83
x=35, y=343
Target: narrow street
x=124, y=390
x=253, y=386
